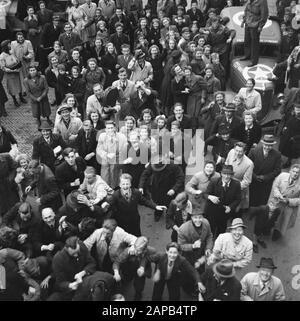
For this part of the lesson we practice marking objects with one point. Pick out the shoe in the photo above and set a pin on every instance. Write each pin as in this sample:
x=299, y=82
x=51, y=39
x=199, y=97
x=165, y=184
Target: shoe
x=23, y=100
x=255, y=248
x=244, y=58
x=157, y=217
x=138, y=296
x=262, y=244
x=16, y=103
x=276, y=235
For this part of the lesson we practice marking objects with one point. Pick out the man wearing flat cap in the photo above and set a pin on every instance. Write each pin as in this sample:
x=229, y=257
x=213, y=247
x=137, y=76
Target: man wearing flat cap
x=223, y=196
x=262, y=285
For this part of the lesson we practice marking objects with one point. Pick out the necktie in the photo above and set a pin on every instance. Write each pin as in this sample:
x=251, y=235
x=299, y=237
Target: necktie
x=170, y=264
x=123, y=86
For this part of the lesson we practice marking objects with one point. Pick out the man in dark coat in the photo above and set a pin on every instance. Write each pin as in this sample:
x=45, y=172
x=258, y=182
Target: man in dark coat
x=265, y=218
x=70, y=266
x=6, y=140
x=173, y=270
x=228, y=120
x=86, y=143
x=184, y=119
x=69, y=39
x=45, y=184
x=289, y=144
x=220, y=284
x=267, y=165
x=167, y=180
x=77, y=207
x=21, y=218
x=119, y=38
x=196, y=14
x=70, y=173
x=124, y=203
x=47, y=147
x=254, y=19
x=141, y=99
x=222, y=144
x=47, y=238
x=14, y=284
x=223, y=196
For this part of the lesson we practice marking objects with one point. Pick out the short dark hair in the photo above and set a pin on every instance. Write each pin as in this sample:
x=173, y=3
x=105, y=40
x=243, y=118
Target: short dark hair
x=173, y=244
x=252, y=80
x=110, y=224
x=240, y=144
x=67, y=151
x=71, y=242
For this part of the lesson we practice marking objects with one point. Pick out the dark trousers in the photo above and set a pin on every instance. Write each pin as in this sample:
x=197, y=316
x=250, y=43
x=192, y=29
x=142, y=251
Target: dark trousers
x=173, y=289
x=252, y=44
x=263, y=223
x=218, y=223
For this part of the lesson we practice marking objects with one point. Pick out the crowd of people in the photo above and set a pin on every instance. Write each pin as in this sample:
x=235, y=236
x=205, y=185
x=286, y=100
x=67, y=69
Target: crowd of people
x=132, y=86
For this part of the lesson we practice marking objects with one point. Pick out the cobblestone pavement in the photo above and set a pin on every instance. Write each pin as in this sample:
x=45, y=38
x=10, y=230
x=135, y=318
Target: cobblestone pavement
x=21, y=123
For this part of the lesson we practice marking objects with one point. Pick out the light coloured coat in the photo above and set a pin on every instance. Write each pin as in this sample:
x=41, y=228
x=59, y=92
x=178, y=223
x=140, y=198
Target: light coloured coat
x=243, y=170
x=119, y=237
x=289, y=211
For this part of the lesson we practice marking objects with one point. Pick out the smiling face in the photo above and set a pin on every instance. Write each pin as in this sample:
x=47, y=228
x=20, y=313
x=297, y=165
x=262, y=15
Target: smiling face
x=147, y=118
x=172, y=254
x=219, y=99
x=295, y=173
x=48, y=216
x=129, y=124
x=209, y=169
x=265, y=274
x=197, y=219
x=125, y=184
x=92, y=65
x=46, y=133
x=248, y=119
x=239, y=152
x=71, y=101
x=75, y=73
x=237, y=233
x=94, y=117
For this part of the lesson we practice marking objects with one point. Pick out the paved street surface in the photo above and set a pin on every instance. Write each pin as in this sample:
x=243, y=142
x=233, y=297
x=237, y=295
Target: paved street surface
x=286, y=252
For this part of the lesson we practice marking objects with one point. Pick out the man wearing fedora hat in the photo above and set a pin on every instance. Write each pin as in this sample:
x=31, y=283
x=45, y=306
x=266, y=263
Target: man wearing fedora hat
x=223, y=195
x=262, y=285
x=267, y=165
x=219, y=283
x=140, y=69
x=48, y=146
x=233, y=245
x=228, y=120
